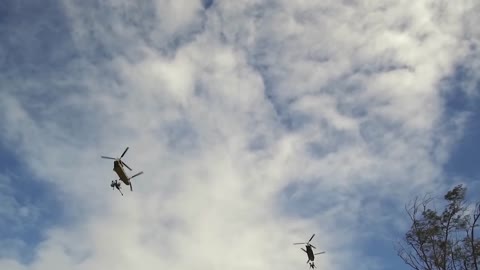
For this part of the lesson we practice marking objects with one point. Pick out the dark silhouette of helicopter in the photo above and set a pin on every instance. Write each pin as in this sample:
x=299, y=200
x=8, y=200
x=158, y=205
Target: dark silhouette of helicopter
x=118, y=168
x=309, y=251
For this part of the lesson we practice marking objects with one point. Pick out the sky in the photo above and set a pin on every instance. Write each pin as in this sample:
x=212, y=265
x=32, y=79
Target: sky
x=256, y=123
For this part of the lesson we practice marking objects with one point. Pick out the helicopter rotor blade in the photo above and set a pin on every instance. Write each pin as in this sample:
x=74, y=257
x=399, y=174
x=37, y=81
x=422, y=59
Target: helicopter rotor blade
x=124, y=152
x=303, y=250
x=131, y=186
x=311, y=238
x=320, y=253
x=125, y=165
x=136, y=175
x=312, y=246
x=299, y=243
x=108, y=157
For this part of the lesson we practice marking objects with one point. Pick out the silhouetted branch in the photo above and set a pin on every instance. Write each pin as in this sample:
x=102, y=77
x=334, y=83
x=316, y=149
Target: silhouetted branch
x=444, y=241
x=476, y=216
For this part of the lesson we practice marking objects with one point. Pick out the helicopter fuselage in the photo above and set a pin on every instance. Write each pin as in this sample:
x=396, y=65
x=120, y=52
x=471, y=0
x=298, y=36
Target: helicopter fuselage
x=310, y=254
x=118, y=168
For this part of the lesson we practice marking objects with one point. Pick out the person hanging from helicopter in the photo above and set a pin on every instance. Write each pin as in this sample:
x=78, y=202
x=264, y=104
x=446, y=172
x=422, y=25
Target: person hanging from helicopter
x=116, y=184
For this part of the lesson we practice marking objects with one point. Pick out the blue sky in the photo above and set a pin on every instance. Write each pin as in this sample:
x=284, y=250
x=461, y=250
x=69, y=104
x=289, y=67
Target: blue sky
x=463, y=161
x=256, y=124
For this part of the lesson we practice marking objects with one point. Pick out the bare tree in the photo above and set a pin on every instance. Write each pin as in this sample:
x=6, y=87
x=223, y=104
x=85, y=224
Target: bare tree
x=444, y=240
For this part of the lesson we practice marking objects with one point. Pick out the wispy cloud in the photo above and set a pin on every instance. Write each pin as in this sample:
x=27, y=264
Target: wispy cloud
x=257, y=124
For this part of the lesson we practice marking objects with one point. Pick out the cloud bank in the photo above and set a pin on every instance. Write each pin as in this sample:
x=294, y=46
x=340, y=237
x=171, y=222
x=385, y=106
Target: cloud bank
x=257, y=123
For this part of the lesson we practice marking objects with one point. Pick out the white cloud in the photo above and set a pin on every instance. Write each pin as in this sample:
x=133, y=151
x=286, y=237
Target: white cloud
x=258, y=97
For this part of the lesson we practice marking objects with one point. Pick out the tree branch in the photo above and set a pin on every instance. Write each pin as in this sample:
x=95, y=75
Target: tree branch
x=408, y=258
x=476, y=216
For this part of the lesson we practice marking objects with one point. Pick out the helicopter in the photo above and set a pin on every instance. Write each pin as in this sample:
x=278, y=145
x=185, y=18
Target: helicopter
x=118, y=165
x=309, y=251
